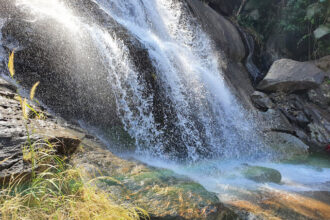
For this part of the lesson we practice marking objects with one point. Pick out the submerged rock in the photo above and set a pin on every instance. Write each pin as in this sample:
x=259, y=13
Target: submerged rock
x=262, y=174
x=290, y=76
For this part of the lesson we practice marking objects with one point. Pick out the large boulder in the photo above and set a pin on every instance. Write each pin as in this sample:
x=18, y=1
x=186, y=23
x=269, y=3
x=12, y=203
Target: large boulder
x=289, y=76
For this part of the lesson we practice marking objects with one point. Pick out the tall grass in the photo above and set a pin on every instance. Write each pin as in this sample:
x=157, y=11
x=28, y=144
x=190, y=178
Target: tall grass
x=54, y=189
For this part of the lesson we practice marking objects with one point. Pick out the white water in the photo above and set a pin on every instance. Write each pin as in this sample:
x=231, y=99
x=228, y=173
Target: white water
x=208, y=116
x=208, y=121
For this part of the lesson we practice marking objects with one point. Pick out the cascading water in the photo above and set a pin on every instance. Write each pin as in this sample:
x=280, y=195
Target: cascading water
x=208, y=119
x=201, y=116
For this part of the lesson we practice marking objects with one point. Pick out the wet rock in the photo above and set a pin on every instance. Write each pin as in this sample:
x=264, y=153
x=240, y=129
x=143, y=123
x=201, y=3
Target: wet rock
x=289, y=76
x=321, y=95
x=262, y=174
x=292, y=106
x=75, y=78
x=310, y=122
x=261, y=101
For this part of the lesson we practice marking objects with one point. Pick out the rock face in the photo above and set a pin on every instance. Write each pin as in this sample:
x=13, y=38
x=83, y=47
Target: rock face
x=290, y=76
x=17, y=133
x=78, y=88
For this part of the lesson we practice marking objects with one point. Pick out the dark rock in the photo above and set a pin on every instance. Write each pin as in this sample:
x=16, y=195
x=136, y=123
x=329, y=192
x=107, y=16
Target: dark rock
x=261, y=101
x=290, y=76
x=74, y=76
x=321, y=96
x=275, y=120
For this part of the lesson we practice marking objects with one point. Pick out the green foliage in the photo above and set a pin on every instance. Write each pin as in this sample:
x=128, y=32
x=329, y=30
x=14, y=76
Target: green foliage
x=309, y=19
x=259, y=18
x=306, y=21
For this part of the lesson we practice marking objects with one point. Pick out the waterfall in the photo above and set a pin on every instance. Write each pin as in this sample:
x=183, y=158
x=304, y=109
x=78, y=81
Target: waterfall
x=192, y=114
